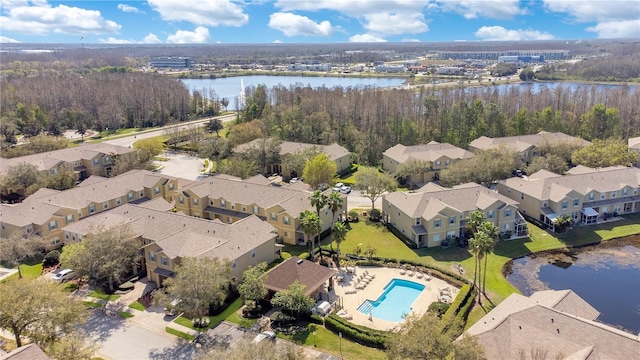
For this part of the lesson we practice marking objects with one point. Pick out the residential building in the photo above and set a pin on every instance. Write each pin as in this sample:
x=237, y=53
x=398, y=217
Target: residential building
x=520, y=59
x=168, y=237
x=586, y=195
x=26, y=352
x=336, y=153
x=557, y=322
x=434, y=214
x=634, y=146
x=526, y=145
x=494, y=55
x=229, y=199
x=84, y=160
x=46, y=211
x=309, y=67
x=441, y=156
x=450, y=70
x=313, y=276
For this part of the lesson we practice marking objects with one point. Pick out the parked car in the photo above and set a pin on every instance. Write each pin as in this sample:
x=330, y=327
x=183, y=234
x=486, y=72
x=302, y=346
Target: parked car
x=345, y=189
x=264, y=335
x=170, y=310
x=64, y=275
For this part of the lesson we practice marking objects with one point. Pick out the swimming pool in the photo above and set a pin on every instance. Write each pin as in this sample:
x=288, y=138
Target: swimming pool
x=394, y=302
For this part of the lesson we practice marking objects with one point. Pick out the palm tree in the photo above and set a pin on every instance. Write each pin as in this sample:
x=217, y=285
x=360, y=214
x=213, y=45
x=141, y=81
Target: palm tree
x=311, y=225
x=488, y=244
x=339, y=234
x=334, y=203
x=318, y=200
x=476, y=248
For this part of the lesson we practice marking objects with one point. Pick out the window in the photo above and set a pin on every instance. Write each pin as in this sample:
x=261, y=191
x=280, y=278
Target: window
x=156, y=191
x=171, y=186
x=591, y=196
x=565, y=204
x=447, y=162
x=79, y=214
x=55, y=241
x=521, y=196
x=92, y=209
x=490, y=214
x=576, y=202
x=544, y=204
x=233, y=264
x=28, y=228
x=141, y=193
x=437, y=163
x=256, y=210
x=613, y=194
x=180, y=199
x=253, y=253
x=130, y=196
x=436, y=223
x=164, y=260
x=244, y=208
x=96, y=162
x=229, y=220
x=223, y=203
x=53, y=225
x=273, y=216
x=105, y=205
x=436, y=237
x=69, y=218
x=285, y=220
x=233, y=206
x=602, y=196
x=195, y=201
x=625, y=192
x=118, y=201
x=452, y=220
x=505, y=227
x=507, y=213
x=66, y=235
x=635, y=191
x=152, y=256
x=286, y=234
x=451, y=235
x=417, y=221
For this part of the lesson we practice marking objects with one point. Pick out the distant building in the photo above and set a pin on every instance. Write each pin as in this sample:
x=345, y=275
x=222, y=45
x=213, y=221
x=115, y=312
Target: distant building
x=634, y=146
x=494, y=55
x=309, y=67
x=521, y=59
x=172, y=62
x=389, y=69
x=450, y=70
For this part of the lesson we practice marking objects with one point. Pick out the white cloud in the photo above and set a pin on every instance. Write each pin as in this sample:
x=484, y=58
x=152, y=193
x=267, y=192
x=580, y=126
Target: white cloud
x=617, y=29
x=5, y=40
x=366, y=38
x=277, y=41
x=129, y=9
x=410, y=40
x=471, y=9
x=199, y=35
x=396, y=23
x=498, y=33
x=112, y=40
x=203, y=12
x=151, y=39
x=38, y=17
x=600, y=11
x=294, y=25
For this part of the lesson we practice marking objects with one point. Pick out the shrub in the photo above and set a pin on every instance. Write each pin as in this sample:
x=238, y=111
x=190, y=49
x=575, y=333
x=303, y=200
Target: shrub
x=52, y=258
x=285, y=255
x=359, y=334
x=304, y=255
x=201, y=322
x=465, y=297
x=279, y=317
x=374, y=215
x=316, y=319
x=439, y=308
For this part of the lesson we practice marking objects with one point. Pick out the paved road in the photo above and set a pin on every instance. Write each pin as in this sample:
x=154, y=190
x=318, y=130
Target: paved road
x=119, y=339
x=129, y=140
x=356, y=200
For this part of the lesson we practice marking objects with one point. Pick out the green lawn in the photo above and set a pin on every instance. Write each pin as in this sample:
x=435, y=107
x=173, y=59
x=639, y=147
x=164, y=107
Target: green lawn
x=30, y=269
x=92, y=304
x=180, y=334
x=326, y=341
x=125, y=315
x=99, y=294
x=136, y=305
x=225, y=315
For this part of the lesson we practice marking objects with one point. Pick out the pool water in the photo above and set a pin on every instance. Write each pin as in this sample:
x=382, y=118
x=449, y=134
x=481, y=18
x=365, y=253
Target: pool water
x=395, y=302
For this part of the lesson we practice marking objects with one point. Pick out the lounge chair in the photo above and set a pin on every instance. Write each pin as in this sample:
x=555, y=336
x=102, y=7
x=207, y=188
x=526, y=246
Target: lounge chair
x=403, y=270
x=368, y=276
x=427, y=276
x=350, y=291
x=410, y=272
x=361, y=286
x=419, y=274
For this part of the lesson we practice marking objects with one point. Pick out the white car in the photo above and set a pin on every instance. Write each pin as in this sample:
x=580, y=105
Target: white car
x=264, y=335
x=345, y=189
x=64, y=275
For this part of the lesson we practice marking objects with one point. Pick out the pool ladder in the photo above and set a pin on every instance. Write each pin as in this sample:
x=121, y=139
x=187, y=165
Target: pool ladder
x=366, y=307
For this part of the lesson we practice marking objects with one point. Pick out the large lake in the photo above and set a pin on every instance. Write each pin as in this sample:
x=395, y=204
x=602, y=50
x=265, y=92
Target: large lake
x=607, y=276
x=230, y=87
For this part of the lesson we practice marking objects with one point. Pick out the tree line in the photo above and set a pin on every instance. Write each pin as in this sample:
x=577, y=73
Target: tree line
x=369, y=122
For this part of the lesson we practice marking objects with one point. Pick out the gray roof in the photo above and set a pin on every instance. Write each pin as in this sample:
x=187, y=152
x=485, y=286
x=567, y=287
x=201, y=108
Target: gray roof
x=180, y=235
x=634, y=143
x=294, y=201
x=429, y=152
x=27, y=352
x=524, y=142
x=333, y=151
x=547, y=185
x=427, y=203
x=546, y=321
x=49, y=159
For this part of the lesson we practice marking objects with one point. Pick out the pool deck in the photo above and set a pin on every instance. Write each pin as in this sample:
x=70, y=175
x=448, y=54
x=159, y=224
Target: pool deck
x=383, y=276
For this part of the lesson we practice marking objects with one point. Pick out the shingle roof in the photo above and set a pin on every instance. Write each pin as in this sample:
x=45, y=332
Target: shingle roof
x=634, y=143
x=180, y=235
x=429, y=152
x=306, y=272
x=521, y=324
x=524, y=142
x=294, y=201
x=27, y=352
x=548, y=185
x=333, y=151
x=427, y=203
x=47, y=160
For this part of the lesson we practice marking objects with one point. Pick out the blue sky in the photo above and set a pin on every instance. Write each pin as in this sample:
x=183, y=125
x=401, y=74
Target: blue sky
x=314, y=21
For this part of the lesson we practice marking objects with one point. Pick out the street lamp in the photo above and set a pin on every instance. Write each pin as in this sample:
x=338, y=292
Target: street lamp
x=340, y=335
x=314, y=339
